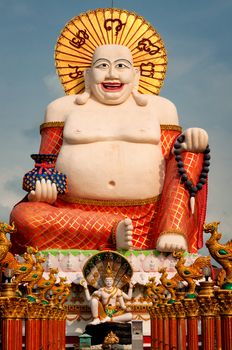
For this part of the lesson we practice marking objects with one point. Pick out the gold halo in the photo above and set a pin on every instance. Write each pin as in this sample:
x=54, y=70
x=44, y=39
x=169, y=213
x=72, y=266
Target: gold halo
x=80, y=36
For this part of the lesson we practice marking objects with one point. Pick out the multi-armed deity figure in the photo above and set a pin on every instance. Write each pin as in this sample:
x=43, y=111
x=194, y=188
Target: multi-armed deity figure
x=108, y=272
x=108, y=302
x=112, y=138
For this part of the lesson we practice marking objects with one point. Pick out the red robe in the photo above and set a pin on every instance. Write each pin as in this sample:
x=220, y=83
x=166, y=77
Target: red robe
x=91, y=224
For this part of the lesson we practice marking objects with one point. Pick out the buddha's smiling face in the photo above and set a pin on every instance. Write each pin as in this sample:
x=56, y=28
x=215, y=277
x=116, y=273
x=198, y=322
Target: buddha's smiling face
x=112, y=75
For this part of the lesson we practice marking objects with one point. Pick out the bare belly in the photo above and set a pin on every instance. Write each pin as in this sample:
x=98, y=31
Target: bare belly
x=112, y=170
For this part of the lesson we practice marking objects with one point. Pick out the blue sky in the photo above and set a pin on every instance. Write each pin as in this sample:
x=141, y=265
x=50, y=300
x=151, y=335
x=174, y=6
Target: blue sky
x=197, y=35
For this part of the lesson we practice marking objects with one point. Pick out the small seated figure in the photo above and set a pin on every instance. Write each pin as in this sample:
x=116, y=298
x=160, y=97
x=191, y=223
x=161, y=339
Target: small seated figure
x=115, y=146
x=108, y=303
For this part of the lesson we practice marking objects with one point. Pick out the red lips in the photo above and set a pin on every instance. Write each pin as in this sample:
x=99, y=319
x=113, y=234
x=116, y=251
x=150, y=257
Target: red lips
x=112, y=86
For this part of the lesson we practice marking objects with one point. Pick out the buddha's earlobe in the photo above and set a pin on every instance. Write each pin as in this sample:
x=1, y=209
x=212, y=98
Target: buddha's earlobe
x=81, y=99
x=140, y=99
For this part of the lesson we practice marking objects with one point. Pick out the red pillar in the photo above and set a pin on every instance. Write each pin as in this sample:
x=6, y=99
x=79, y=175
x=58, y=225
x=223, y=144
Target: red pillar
x=226, y=322
x=181, y=324
x=32, y=334
x=181, y=334
x=224, y=298
x=52, y=340
x=44, y=333
x=154, y=332
x=12, y=337
x=166, y=333
x=62, y=335
x=173, y=333
x=192, y=333
x=13, y=311
x=160, y=328
x=207, y=332
x=218, y=333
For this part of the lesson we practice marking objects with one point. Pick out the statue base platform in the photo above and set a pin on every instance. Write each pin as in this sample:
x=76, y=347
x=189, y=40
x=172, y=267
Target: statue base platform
x=100, y=331
x=145, y=264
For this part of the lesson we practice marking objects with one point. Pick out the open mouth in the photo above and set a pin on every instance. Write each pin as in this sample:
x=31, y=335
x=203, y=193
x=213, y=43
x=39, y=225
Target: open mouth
x=112, y=86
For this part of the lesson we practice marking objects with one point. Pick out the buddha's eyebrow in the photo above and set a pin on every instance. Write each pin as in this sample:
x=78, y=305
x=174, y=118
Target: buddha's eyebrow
x=108, y=61
x=123, y=59
x=101, y=59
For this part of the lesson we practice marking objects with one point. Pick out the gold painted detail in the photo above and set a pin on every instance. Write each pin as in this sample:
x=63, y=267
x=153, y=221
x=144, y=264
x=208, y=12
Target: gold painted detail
x=173, y=232
x=5, y=243
x=171, y=127
x=224, y=299
x=51, y=125
x=170, y=284
x=192, y=272
x=191, y=307
x=222, y=253
x=155, y=291
x=208, y=306
x=13, y=308
x=111, y=338
x=111, y=203
x=84, y=33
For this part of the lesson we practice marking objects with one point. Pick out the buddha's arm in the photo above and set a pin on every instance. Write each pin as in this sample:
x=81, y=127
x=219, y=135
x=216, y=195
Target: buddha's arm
x=51, y=141
x=175, y=216
x=51, y=137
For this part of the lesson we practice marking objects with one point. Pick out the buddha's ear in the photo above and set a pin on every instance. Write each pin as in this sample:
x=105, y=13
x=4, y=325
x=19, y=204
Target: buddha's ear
x=136, y=77
x=81, y=99
x=87, y=72
x=140, y=99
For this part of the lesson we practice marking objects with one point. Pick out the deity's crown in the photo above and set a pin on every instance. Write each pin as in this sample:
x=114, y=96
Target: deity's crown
x=108, y=271
x=82, y=34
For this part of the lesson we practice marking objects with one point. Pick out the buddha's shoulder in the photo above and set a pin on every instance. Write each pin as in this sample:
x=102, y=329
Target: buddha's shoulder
x=58, y=109
x=165, y=108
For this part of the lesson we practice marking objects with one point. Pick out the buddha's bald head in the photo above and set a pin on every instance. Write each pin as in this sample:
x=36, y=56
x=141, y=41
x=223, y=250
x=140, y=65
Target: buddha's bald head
x=112, y=52
x=112, y=77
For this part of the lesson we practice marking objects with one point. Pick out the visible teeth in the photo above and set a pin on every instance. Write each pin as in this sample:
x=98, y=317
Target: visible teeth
x=112, y=85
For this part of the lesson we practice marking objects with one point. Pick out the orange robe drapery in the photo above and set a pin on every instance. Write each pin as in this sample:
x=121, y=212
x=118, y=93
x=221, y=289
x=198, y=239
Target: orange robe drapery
x=91, y=224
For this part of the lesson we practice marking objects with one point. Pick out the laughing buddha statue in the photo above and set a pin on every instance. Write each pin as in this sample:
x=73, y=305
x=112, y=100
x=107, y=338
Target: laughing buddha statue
x=114, y=139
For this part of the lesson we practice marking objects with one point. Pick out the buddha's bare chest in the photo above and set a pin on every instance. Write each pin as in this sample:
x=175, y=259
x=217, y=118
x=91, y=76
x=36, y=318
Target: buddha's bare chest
x=113, y=124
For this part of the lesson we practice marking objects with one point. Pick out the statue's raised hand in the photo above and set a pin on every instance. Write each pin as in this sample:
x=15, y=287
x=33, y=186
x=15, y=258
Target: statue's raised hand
x=45, y=191
x=195, y=140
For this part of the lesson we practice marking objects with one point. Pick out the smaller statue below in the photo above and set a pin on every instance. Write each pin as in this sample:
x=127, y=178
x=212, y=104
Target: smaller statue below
x=108, y=303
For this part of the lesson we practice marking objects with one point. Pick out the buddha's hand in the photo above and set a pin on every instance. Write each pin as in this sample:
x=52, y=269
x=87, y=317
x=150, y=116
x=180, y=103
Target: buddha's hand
x=170, y=242
x=195, y=140
x=45, y=191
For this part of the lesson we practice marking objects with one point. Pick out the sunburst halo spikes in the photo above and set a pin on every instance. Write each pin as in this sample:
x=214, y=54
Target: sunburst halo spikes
x=80, y=37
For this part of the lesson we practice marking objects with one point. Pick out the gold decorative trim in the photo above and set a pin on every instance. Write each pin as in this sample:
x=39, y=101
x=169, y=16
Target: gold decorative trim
x=111, y=203
x=173, y=232
x=170, y=127
x=82, y=34
x=51, y=125
x=80, y=310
